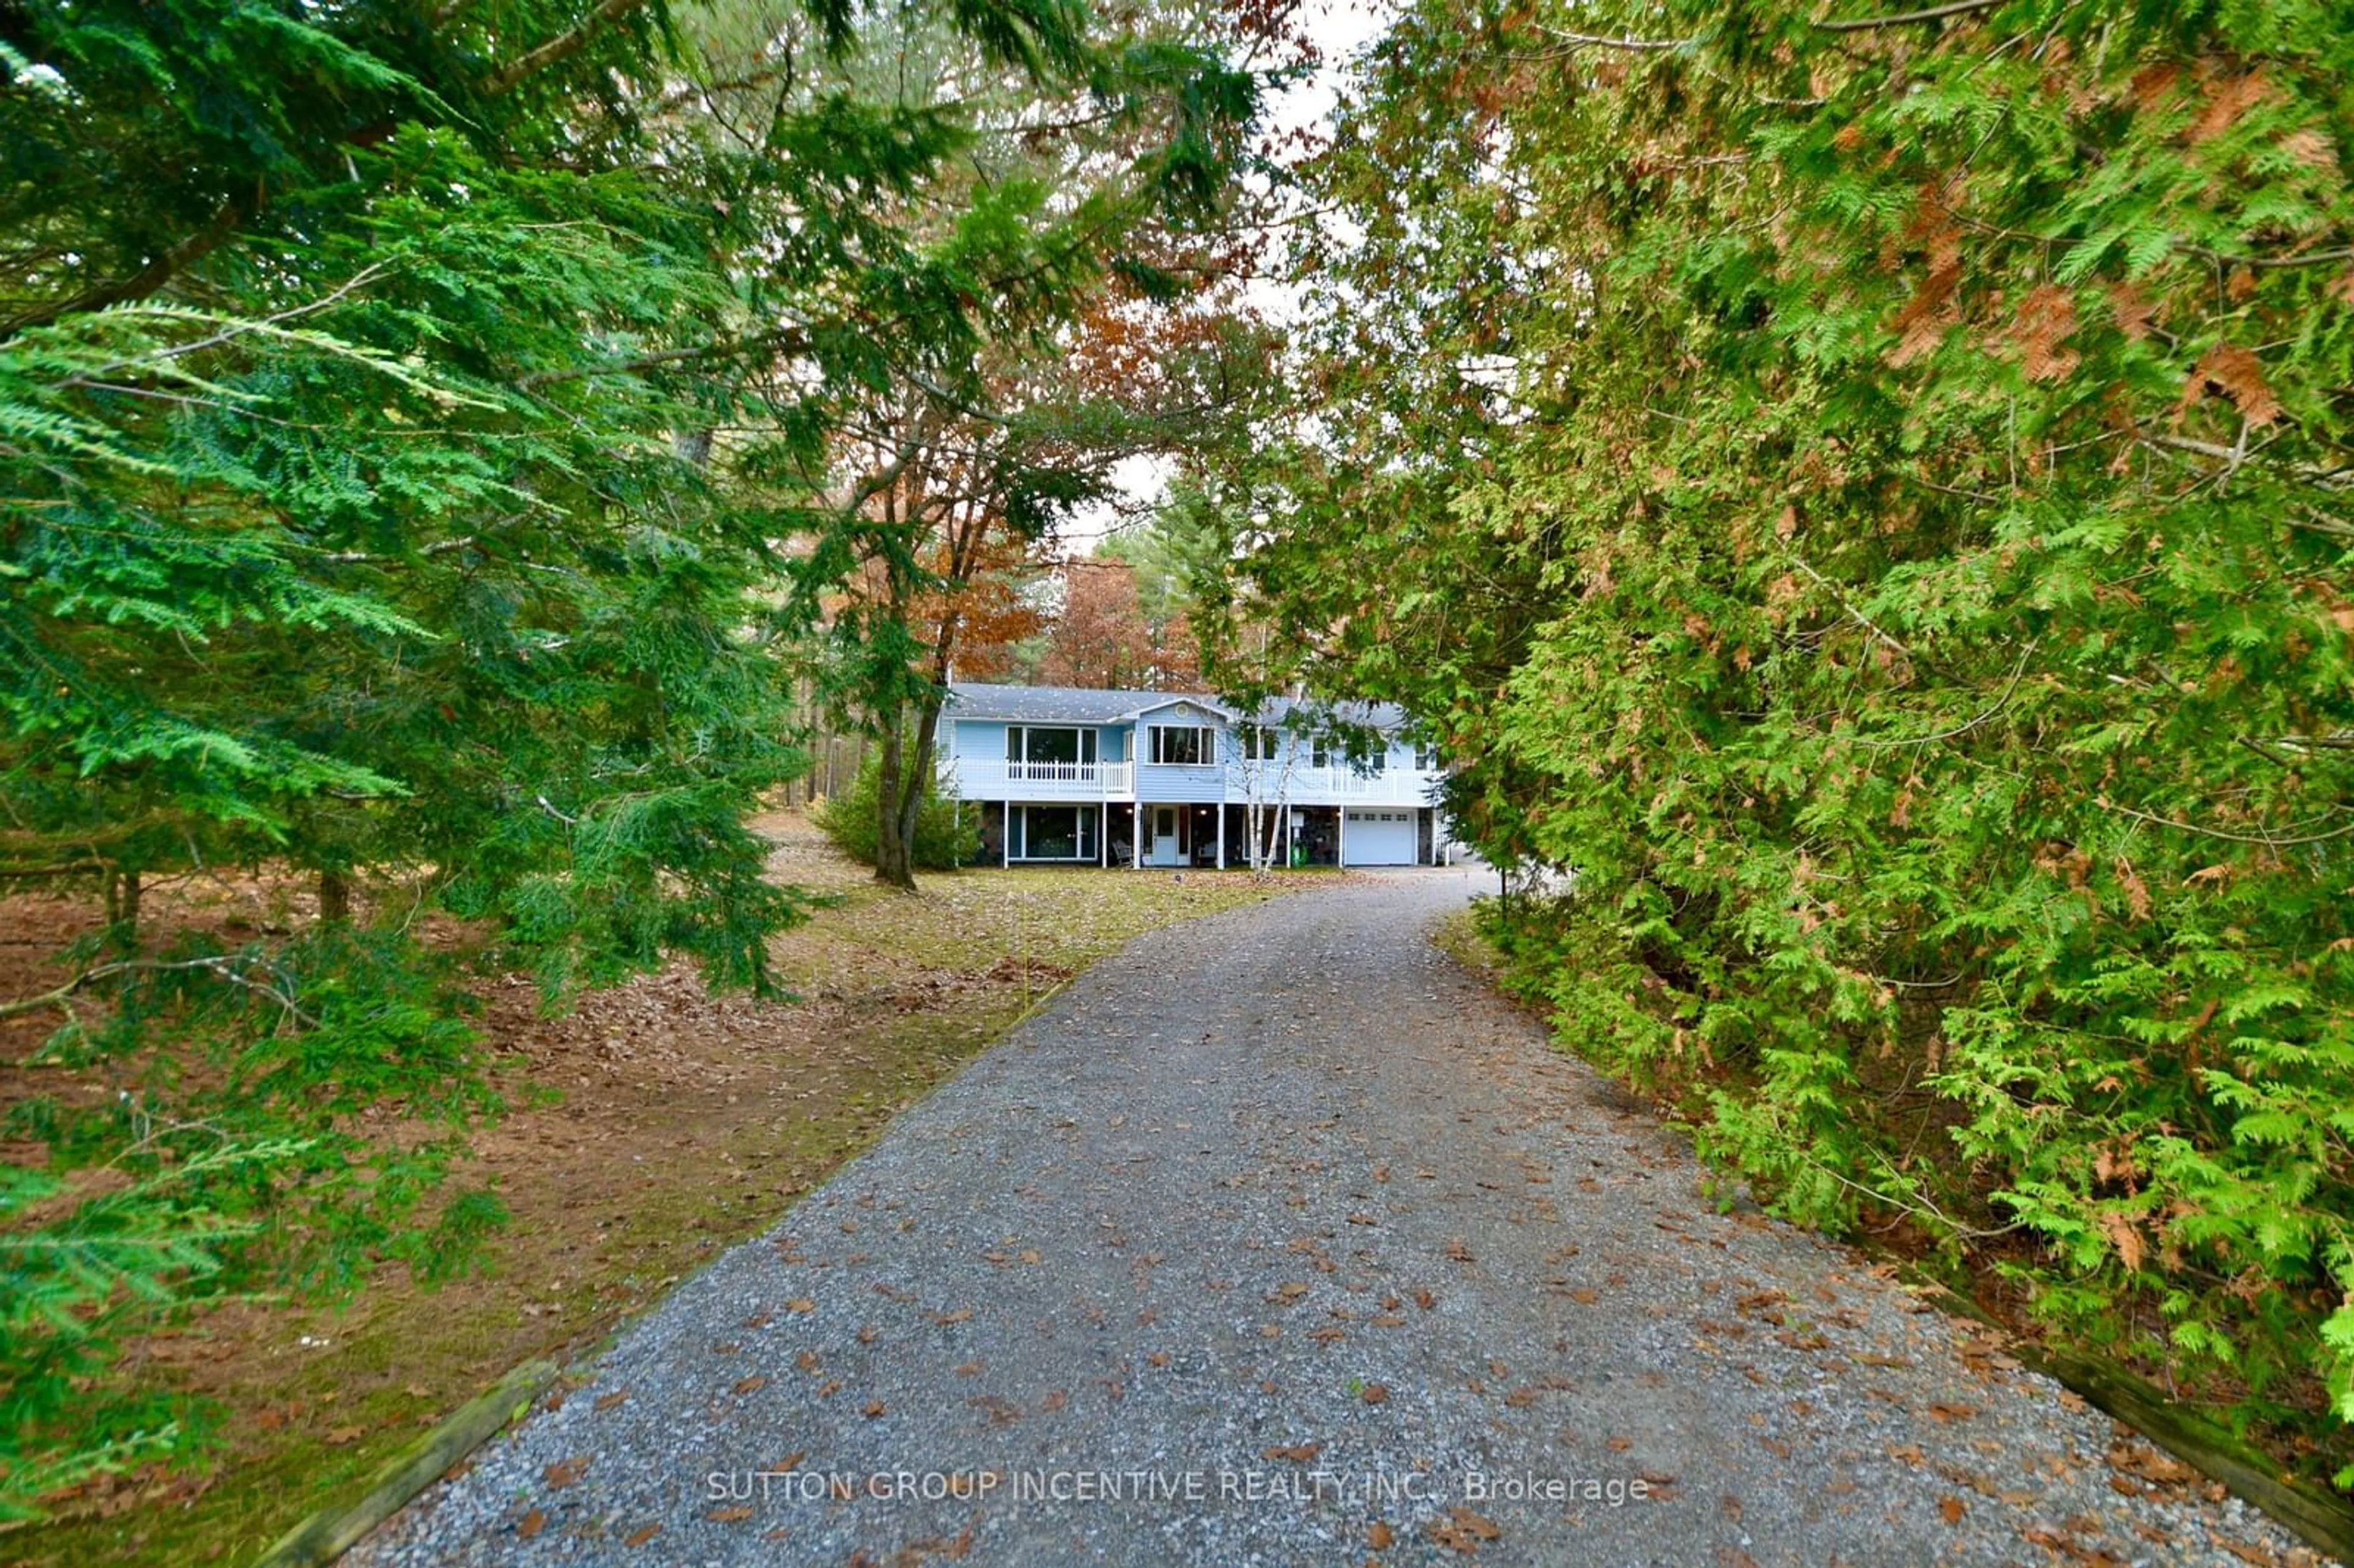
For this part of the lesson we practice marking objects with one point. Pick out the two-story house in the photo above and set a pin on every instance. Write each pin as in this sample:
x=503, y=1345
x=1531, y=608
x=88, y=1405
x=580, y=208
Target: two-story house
x=1064, y=775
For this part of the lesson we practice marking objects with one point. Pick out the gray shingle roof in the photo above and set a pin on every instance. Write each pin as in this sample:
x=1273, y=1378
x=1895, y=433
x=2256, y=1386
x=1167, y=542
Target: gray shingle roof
x=1387, y=717
x=1083, y=705
x=1061, y=704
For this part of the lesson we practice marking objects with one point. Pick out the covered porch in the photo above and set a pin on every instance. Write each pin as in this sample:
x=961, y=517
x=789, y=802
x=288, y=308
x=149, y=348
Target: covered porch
x=1201, y=835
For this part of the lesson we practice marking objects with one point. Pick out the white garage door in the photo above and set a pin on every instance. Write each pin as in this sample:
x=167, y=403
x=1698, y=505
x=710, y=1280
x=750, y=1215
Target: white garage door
x=1380, y=838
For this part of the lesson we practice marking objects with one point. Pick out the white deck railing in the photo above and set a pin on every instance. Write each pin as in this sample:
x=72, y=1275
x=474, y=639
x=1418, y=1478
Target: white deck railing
x=977, y=779
x=1326, y=786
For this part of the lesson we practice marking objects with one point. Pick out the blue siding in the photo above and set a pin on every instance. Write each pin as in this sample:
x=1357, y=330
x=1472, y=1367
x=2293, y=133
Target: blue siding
x=1157, y=782
x=977, y=742
x=979, y=739
x=983, y=740
x=1164, y=781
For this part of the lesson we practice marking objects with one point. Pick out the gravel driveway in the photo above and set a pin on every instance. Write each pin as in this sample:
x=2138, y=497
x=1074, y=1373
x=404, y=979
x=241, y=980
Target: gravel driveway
x=1279, y=1239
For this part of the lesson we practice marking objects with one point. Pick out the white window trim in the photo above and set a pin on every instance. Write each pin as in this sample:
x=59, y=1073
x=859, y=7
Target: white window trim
x=1208, y=743
x=1088, y=743
x=1083, y=830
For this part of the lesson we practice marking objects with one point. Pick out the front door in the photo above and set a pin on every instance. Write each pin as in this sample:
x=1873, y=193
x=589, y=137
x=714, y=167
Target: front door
x=1165, y=848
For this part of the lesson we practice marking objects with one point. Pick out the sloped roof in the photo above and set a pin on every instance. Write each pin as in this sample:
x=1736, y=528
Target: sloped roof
x=1086, y=705
x=1064, y=705
x=1387, y=717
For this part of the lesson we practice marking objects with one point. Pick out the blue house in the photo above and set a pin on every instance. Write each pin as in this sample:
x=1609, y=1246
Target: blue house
x=1065, y=775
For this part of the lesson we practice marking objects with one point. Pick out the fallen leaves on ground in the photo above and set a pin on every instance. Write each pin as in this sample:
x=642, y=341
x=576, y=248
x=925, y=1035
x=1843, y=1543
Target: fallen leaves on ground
x=2141, y=1459
x=1462, y=1530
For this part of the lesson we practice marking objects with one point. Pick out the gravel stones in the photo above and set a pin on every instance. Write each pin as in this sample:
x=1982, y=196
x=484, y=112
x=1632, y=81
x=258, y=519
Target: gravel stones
x=1279, y=1239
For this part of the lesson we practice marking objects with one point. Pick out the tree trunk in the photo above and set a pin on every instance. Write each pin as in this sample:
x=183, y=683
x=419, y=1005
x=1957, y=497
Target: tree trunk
x=122, y=905
x=334, y=895
x=895, y=835
x=902, y=782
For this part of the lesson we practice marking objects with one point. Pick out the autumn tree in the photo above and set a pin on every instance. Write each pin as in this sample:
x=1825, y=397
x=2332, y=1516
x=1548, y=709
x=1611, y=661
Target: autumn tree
x=1098, y=637
x=970, y=442
x=1160, y=558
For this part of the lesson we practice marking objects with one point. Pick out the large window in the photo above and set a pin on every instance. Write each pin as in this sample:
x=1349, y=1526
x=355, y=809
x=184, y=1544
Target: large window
x=1261, y=742
x=1054, y=833
x=1036, y=744
x=1187, y=746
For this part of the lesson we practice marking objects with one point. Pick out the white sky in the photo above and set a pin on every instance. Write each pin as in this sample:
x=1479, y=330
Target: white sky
x=1340, y=29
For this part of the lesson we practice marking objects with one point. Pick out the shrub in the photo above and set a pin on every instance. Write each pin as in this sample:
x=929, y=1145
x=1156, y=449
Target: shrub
x=946, y=834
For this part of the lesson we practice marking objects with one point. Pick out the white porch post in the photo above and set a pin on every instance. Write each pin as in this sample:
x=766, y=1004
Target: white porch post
x=1341, y=835
x=1005, y=837
x=1103, y=834
x=1222, y=834
x=1136, y=836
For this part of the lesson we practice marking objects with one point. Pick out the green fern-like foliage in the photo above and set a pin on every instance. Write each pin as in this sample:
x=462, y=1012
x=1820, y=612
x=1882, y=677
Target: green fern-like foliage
x=404, y=414
x=1870, y=501
x=331, y=545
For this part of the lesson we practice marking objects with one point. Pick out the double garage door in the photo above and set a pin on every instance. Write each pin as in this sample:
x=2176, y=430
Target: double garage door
x=1377, y=837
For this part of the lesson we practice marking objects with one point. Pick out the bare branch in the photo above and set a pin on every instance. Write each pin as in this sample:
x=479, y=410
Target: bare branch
x=1908, y=18
x=1866, y=622
x=158, y=271
x=1602, y=41
x=562, y=47
x=2270, y=840
x=2263, y=263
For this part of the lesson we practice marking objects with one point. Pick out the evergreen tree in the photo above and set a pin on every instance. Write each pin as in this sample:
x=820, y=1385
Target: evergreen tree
x=401, y=408
x=1865, y=488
